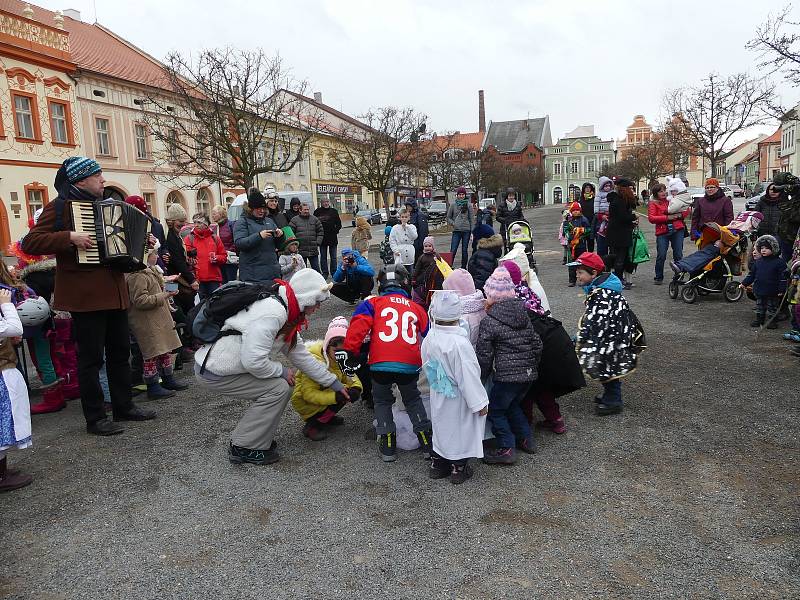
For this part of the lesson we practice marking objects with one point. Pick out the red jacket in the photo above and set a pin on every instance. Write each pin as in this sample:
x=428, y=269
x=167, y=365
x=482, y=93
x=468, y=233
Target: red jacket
x=395, y=325
x=657, y=215
x=205, y=243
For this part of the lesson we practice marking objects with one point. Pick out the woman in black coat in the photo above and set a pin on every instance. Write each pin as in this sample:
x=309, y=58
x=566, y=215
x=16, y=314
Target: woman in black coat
x=587, y=209
x=621, y=221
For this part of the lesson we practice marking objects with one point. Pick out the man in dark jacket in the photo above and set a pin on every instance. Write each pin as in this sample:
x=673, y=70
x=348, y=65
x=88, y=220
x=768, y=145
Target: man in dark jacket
x=509, y=210
x=419, y=220
x=293, y=210
x=97, y=297
x=331, y=224
x=255, y=237
x=309, y=232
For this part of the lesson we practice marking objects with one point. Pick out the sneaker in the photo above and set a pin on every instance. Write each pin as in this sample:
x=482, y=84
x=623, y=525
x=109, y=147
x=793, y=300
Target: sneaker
x=527, y=445
x=439, y=468
x=314, y=433
x=792, y=336
x=757, y=322
x=571, y=284
x=424, y=438
x=238, y=455
x=627, y=285
x=387, y=444
x=772, y=323
x=608, y=409
x=460, y=474
x=501, y=456
x=658, y=282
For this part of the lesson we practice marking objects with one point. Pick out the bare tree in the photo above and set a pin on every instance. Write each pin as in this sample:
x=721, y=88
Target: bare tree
x=716, y=110
x=373, y=155
x=228, y=116
x=629, y=168
x=446, y=161
x=675, y=143
x=653, y=158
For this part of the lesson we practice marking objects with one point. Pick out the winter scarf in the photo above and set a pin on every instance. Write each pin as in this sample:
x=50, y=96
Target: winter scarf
x=532, y=302
x=296, y=320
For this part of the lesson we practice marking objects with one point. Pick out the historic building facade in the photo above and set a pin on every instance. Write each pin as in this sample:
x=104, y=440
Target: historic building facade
x=575, y=159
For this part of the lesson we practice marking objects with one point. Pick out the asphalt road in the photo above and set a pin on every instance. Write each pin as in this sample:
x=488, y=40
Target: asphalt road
x=691, y=492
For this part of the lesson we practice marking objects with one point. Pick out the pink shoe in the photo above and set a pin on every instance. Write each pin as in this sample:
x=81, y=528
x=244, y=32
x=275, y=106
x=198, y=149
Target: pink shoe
x=558, y=426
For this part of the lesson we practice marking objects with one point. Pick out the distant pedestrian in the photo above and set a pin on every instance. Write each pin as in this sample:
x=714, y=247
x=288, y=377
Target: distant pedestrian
x=508, y=211
x=361, y=236
x=576, y=232
x=419, y=220
x=402, y=240
x=331, y=225
x=310, y=233
x=587, y=210
x=209, y=255
x=290, y=260
x=293, y=210
x=223, y=228
x=353, y=279
x=274, y=212
x=670, y=228
x=459, y=216
x=621, y=221
x=257, y=237
x=600, y=223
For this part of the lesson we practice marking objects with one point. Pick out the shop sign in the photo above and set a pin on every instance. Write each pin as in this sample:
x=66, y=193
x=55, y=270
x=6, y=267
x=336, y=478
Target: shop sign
x=330, y=188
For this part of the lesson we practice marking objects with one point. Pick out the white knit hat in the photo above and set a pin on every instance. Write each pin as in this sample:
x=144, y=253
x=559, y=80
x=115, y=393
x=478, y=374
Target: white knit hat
x=675, y=184
x=310, y=288
x=445, y=306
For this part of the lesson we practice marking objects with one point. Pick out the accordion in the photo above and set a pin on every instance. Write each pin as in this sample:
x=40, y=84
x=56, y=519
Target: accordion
x=120, y=232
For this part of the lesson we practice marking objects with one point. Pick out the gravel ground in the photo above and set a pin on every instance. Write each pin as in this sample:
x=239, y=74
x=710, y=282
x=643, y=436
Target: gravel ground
x=692, y=492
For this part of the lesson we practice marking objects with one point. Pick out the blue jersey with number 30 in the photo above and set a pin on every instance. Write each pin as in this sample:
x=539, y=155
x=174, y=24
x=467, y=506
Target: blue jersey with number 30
x=395, y=325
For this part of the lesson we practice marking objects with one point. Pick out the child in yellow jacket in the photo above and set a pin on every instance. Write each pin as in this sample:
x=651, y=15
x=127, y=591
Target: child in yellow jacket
x=318, y=405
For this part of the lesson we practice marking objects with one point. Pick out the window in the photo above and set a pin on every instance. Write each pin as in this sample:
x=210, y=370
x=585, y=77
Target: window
x=24, y=117
x=35, y=197
x=103, y=140
x=557, y=196
x=319, y=169
x=59, y=122
x=150, y=199
x=590, y=166
x=604, y=164
x=301, y=165
x=573, y=166
x=203, y=201
x=142, y=147
x=557, y=168
x=175, y=197
x=172, y=145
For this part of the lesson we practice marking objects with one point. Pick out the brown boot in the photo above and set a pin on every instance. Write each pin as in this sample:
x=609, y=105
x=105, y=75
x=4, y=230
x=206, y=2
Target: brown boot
x=12, y=479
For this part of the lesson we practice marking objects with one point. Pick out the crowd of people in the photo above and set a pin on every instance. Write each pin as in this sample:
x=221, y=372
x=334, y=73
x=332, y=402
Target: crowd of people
x=470, y=352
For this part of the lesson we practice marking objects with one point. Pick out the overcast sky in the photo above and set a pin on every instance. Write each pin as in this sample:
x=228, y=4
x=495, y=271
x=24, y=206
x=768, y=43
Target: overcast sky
x=582, y=62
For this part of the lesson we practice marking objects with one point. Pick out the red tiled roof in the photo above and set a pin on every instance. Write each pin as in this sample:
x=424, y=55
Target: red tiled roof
x=775, y=138
x=331, y=110
x=96, y=49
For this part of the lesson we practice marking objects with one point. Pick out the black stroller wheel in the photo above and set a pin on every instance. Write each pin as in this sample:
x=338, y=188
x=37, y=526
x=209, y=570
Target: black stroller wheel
x=732, y=292
x=689, y=294
x=673, y=289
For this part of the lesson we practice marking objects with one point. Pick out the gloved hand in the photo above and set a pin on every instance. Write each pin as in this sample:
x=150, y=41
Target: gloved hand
x=348, y=362
x=355, y=394
x=341, y=399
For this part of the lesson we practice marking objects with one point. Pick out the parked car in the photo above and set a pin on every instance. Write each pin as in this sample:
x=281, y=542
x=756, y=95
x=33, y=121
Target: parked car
x=375, y=217
x=752, y=201
x=485, y=202
x=437, y=210
x=738, y=192
x=727, y=190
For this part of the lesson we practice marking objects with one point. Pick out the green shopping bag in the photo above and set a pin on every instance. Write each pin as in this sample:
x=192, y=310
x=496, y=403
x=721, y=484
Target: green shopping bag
x=639, y=253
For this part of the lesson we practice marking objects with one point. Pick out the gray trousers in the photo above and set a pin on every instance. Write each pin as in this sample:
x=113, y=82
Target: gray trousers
x=256, y=429
x=383, y=398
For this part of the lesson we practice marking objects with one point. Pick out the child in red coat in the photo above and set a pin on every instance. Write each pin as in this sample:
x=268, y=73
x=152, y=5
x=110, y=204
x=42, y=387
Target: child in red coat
x=208, y=253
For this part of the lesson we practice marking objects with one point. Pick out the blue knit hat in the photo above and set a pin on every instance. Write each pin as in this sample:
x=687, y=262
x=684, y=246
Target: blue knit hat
x=387, y=230
x=482, y=231
x=79, y=167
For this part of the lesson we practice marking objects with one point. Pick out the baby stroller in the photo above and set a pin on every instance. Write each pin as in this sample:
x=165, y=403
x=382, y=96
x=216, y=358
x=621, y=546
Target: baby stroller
x=520, y=232
x=710, y=270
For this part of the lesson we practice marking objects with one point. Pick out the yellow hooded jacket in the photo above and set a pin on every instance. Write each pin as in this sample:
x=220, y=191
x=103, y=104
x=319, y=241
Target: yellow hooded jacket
x=308, y=397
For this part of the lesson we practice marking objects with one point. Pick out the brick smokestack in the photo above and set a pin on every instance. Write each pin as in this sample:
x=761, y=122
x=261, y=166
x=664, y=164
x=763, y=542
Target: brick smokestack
x=481, y=112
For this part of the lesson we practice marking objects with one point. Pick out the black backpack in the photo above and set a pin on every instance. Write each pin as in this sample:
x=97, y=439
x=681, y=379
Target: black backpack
x=208, y=317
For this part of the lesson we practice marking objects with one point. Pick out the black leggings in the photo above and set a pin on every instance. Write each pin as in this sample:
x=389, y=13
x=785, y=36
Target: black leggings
x=620, y=259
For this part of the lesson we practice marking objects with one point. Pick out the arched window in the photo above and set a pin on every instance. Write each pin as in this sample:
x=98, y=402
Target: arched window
x=288, y=188
x=175, y=197
x=557, y=195
x=303, y=188
x=204, y=201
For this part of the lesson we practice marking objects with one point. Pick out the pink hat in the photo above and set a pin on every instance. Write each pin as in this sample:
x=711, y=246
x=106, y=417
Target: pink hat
x=499, y=285
x=513, y=270
x=461, y=282
x=428, y=240
x=336, y=328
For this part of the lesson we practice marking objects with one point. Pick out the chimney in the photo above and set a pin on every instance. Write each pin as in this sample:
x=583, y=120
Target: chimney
x=27, y=12
x=58, y=19
x=481, y=113
x=317, y=96
x=72, y=13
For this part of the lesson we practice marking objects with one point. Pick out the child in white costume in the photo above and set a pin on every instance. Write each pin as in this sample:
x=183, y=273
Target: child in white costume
x=15, y=410
x=458, y=399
